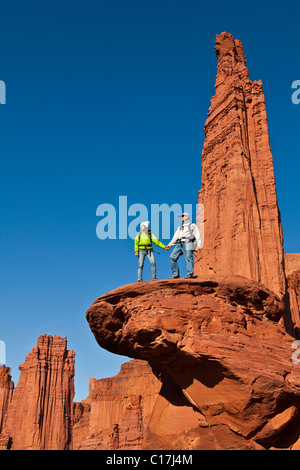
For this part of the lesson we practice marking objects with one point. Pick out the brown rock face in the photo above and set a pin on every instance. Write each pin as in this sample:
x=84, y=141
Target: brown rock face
x=40, y=412
x=6, y=391
x=243, y=233
x=292, y=269
x=117, y=411
x=223, y=360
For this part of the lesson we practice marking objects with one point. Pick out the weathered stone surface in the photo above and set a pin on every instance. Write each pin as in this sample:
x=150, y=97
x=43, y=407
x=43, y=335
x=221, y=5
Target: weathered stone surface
x=224, y=361
x=276, y=425
x=117, y=410
x=6, y=391
x=292, y=263
x=292, y=269
x=39, y=416
x=242, y=228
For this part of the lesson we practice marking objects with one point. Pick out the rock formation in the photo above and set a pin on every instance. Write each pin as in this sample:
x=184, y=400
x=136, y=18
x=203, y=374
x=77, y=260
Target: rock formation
x=39, y=416
x=116, y=413
x=6, y=390
x=220, y=345
x=242, y=225
x=223, y=360
x=292, y=270
x=213, y=364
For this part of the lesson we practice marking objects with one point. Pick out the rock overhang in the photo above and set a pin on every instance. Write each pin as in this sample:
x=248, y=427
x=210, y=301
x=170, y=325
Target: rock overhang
x=152, y=320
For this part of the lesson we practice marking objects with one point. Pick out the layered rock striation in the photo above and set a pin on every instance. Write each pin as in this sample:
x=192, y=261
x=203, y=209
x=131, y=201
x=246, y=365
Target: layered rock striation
x=116, y=413
x=222, y=358
x=220, y=345
x=242, y=224
x=39, y=415
x=292, y=269
x=6, y=391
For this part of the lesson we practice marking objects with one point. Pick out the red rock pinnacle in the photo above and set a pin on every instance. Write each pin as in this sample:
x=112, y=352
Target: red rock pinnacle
x=39, y=414
x=6, y=390
x=243, y=232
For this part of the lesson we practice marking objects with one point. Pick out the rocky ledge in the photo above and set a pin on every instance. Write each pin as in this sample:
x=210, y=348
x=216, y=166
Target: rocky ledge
x=223, y=359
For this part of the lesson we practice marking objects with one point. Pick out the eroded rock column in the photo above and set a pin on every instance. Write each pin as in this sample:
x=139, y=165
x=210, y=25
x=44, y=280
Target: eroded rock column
x=243, y=232
x=40, y=413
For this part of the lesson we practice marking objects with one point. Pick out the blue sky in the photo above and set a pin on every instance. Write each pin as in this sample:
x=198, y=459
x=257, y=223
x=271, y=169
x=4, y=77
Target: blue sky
x=109, y=98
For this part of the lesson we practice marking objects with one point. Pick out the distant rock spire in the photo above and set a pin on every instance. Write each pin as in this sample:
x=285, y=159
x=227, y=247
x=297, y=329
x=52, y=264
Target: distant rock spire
x=39, y=416
x=6, y=390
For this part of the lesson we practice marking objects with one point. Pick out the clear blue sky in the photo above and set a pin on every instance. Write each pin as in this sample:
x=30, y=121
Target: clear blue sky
x=109, y=98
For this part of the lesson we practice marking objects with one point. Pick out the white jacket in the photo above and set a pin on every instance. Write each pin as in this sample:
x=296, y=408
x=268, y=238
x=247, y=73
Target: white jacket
x=186, y=233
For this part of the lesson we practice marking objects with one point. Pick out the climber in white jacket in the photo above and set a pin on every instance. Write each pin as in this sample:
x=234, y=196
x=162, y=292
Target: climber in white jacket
x=186, y=239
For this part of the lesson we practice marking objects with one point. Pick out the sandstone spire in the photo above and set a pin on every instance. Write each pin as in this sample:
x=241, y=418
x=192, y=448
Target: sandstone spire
x=242, y=226
x=6, y=390
x=39, y=414
x=292, y=271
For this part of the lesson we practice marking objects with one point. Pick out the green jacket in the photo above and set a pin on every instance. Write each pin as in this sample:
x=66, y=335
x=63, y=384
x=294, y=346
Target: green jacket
x=144, y=241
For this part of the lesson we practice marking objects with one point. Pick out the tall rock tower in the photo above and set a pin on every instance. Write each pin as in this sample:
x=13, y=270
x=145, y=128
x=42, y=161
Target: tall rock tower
x=6, y=391
x=242, y=226
x=39, y=415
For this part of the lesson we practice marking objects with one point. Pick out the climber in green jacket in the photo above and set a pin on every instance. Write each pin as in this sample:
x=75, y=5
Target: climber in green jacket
x=143, y=247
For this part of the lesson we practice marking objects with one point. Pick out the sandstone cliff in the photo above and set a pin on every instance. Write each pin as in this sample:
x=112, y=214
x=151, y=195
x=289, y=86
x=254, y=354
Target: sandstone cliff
x=228, y=381
x=242, y=227
x=292, y=269
x=6, y=390
x=116, y=413
x=39, y=415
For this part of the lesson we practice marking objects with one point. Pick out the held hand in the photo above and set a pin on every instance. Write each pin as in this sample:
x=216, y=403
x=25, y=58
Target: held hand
x=136, y=253
x=167, y=248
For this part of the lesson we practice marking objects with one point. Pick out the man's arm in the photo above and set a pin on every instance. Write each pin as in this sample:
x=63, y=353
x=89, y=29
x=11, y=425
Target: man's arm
x=174, y=239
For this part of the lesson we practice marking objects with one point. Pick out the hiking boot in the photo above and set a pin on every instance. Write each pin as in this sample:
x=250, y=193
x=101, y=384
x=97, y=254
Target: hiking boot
x=174, y=277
